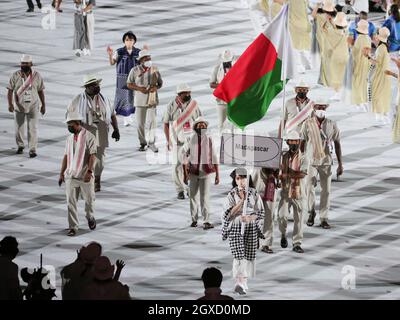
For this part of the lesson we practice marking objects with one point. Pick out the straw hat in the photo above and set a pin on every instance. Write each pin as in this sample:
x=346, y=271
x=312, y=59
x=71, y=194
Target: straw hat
x=73, y=116
x=26, y=58
x=362, y=27
x=302, y=84
x=90, y=79
x=293, y=135
x=341, y=19
x=103, y=270
x=328, y=6
x=383, y=34
x=144, y=53
x=183, y=87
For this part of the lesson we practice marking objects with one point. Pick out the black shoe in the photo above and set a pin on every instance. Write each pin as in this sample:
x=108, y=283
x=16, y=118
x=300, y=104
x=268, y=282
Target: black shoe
x=284, y=242
x=39, y=5
x=194, y=224
x=29, y=10
x=20, y=150
x=32, y=154
x=311, y=218
x=181, y=195
x=298, y=249
x=142, y=147
x=266, y=249
x=325, y=225
x=92, y=223
x=207, y=226
x=71, y=232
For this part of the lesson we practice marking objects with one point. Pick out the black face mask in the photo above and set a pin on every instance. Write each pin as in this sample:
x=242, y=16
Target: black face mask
x=186, y=98
x=199, y=131
x=294, y=147
x=93, y=90
x=25, y=69
x=227, y=65
x=71, y=129
x=302, y=95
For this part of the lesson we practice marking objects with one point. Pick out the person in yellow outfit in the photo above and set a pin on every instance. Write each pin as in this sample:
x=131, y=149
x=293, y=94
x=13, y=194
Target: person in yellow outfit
x=381, y=84
x=336, y=53
x=300, y=32
x=361, y=66
x=323, y=19
x=276, y=7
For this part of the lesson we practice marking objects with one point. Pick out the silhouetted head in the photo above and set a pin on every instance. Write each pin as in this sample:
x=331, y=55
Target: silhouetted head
x=212, y=278
x=9, y=247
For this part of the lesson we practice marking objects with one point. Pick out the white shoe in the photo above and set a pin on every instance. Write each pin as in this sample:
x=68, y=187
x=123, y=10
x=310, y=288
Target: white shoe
x=365, y=107
x=336, y=97
x=126, y=122
x=153, y=147
x=239, y=289
x=78, y=53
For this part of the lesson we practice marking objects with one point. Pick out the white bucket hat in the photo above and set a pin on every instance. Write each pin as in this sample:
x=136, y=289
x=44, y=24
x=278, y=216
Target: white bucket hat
x=321, y=101
x=26, y=58
x=383, y=34
x=293, y=135
x=73, y=116
x=302, y=84
x=226, y=55
x=362, y=27
x=328, y=6
x=89, y=79
x=341, y=20
x=198, y=120
x=144, y=53
x=183, y=87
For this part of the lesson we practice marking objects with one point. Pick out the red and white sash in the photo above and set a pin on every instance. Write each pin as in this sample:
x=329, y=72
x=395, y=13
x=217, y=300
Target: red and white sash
x=185, y=116
x=75, y=160
x=27, y=83
x=299, y=118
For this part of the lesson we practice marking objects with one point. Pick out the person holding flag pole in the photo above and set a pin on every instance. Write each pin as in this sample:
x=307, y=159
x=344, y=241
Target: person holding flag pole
x=254, y=81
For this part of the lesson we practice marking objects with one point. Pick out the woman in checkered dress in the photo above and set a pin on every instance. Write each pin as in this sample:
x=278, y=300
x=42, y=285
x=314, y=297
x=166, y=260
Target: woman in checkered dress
x=242, y=229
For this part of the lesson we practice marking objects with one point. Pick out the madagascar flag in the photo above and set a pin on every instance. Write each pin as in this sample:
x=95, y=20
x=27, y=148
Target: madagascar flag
x=259, y=74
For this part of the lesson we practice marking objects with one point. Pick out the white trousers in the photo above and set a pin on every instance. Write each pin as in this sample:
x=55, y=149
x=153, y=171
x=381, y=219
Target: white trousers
x=283, y=213
x=90, y=30
x=146, y=117
x=303, y=58
x=268, y=229
x=243, y=268
x=200, y=185
x=31, y=119
x=325, y=176
x=73, y=188
x=177, y=169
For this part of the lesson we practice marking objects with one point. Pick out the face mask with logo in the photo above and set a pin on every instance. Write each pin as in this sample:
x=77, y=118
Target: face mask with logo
x=320, y=113
x=148, y=64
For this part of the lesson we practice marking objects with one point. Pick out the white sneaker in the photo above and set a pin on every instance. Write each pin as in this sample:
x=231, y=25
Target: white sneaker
x=365, y=107
x=336, y=97
x=239, y=289
x=126, y=122
x=153, y=147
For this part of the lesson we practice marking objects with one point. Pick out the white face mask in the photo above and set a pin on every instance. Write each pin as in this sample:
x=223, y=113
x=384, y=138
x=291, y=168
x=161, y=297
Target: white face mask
x=148, y=64
x=320, y=113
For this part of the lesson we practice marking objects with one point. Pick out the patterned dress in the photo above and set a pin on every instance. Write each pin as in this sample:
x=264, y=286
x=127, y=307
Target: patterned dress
x=123, y=96
x=243, y=246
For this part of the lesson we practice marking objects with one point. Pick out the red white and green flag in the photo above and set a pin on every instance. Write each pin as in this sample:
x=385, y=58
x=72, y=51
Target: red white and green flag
x=259, y=74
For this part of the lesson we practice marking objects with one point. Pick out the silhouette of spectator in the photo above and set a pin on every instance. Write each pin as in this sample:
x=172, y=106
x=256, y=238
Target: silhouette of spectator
x=79, y=273
x=104, y=286
x=212, y=279
x=9, y=282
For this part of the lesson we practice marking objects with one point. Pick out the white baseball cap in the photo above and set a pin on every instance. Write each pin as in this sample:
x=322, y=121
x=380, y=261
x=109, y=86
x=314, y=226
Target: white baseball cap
x=293, y=135
x=73, y=116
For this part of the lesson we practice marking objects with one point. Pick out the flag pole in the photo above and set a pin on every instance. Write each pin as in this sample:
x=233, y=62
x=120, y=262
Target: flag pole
x=283, y=77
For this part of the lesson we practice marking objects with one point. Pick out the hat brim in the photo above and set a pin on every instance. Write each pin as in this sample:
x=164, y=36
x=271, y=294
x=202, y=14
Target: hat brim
x=91, y=82
x=382, y=39
x=362, y=31
x=105, y=275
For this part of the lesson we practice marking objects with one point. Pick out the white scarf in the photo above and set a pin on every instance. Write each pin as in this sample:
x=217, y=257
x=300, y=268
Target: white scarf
x=76, y=159
x=85, y=107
